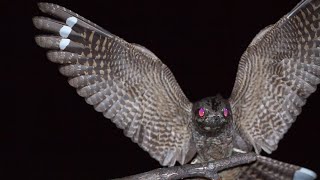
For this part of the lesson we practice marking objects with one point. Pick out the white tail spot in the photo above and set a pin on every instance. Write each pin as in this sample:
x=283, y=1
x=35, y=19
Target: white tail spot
x=304, y=174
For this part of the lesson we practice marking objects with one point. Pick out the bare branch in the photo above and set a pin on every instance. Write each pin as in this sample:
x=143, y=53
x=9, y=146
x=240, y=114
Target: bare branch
x=206, y=170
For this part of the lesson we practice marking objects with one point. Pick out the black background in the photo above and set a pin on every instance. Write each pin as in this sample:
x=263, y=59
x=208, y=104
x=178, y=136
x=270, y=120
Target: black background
x=53, y=134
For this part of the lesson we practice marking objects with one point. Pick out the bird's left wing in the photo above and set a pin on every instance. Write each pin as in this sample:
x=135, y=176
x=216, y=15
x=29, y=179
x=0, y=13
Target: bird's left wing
x=126, y=82
x=276, y=74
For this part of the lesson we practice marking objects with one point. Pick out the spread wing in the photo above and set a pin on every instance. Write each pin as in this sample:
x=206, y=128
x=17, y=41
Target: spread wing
x=126, y=82
x=276, y=74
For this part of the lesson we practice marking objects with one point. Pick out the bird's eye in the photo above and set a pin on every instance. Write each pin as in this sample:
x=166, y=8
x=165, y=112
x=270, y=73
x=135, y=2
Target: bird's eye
x=201, y=112
x=225, y=112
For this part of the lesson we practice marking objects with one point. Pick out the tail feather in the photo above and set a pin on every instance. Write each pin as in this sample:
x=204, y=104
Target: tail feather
x=304, y=174
x=269, y=169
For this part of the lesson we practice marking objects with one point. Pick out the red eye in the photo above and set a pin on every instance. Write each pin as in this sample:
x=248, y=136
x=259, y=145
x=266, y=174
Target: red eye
x=225, y=112
x=201, y=112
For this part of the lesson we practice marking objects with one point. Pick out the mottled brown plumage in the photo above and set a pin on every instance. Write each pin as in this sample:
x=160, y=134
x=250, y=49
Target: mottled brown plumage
x=124, y=81
x=136, y=91
x=276, y=74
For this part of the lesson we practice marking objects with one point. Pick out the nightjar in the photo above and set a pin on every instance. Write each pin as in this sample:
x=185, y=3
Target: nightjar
x=136, y=91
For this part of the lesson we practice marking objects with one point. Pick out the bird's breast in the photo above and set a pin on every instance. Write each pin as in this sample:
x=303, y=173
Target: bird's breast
x=213, y=148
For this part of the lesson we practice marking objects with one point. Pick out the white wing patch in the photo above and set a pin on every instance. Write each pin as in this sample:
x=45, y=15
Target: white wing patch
x=64, y=43
x=71, y=21
x=65, y=31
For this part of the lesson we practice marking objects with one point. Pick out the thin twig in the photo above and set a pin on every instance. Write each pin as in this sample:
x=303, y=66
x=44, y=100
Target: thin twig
x=206, y=170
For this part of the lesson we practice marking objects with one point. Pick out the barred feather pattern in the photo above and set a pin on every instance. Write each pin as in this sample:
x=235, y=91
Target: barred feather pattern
x=126, y=82
x=264, y=168
x=276, y=74
x=268, y=169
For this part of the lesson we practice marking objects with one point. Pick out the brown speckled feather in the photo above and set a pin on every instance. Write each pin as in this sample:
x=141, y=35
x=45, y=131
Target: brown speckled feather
x=277, y=73
x=263, y=169
x=126, y=82
x=269, y=169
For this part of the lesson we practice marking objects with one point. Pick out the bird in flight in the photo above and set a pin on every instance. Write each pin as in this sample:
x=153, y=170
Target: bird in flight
x=130, y=85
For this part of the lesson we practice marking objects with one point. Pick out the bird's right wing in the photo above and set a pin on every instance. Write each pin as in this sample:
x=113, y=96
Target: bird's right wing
x=126, y=82
x=277, y=73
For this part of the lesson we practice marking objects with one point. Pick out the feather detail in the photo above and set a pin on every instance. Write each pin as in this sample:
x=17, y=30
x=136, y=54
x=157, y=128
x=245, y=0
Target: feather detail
x=126, y=82
x=277, y=73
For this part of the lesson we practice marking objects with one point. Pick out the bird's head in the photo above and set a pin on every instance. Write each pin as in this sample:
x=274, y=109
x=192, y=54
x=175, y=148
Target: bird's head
x=212, y=115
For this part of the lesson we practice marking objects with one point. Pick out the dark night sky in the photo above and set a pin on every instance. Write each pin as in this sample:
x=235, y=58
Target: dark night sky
x=53, y=134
